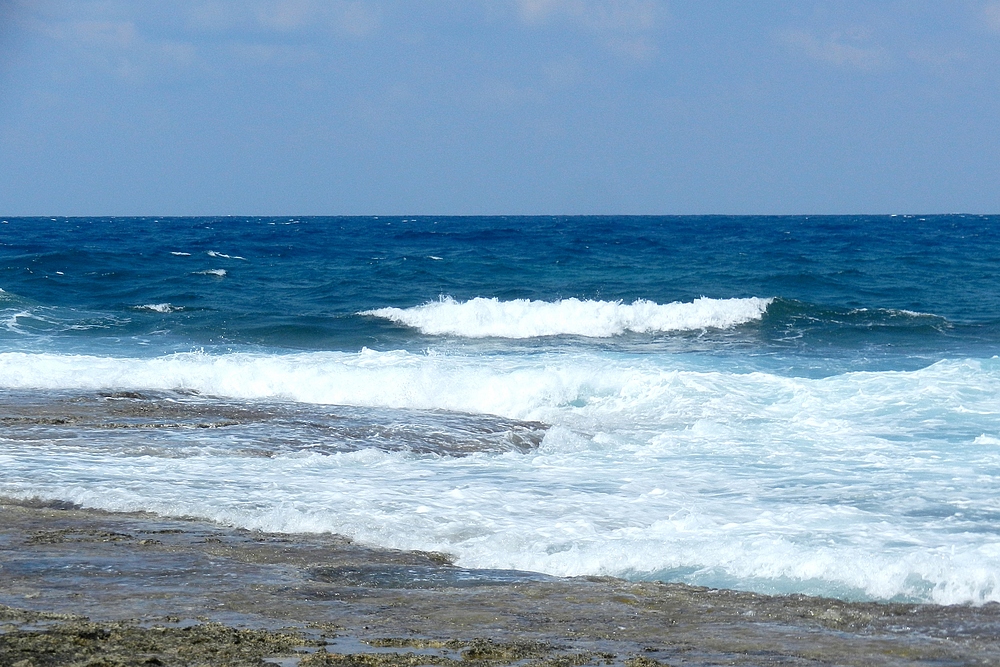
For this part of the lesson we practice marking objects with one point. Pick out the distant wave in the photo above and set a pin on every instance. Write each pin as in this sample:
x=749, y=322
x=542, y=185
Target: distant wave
x=893, y=312
x=9, y=297
x=213, y=253
x=159, y=307
x=523, y=318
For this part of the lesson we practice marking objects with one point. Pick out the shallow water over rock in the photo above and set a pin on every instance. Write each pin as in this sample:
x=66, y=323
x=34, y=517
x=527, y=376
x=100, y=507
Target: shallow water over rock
x=192, y=591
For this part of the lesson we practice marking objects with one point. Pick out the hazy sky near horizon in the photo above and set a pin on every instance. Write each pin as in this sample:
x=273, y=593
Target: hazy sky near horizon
x=299, y=107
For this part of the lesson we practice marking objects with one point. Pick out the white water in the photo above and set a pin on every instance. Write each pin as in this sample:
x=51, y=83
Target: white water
x=160, y=307
x=877, y=484
x=521, y=318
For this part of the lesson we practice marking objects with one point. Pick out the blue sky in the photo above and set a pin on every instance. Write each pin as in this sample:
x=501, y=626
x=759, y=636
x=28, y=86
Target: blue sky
x=199, y=107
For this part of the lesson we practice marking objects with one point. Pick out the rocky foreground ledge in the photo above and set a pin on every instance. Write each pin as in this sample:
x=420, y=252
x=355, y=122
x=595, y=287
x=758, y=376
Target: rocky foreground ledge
x=81, y=587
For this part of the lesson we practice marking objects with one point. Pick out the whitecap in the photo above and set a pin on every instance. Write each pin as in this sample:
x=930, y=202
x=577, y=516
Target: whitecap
x=213, y=253
x=523, y=318
x=221, y=273
x=159, y=307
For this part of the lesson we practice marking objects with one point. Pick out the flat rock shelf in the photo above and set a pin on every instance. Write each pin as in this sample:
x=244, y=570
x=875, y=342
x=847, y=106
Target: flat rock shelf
x=83, y=587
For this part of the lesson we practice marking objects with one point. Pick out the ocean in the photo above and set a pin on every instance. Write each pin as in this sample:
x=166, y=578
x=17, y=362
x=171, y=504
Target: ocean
x=793, y=404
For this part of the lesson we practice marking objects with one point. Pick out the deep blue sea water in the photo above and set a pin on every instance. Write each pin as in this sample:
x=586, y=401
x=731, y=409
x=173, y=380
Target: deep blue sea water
x=781, y=404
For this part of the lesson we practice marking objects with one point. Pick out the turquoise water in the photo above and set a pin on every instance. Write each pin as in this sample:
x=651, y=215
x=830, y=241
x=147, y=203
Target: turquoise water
x=782, y=404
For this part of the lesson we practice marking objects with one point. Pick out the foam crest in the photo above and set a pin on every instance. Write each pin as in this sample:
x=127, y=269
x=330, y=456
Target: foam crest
x=579, y=387
x=213, y=253
x=160, y=307
x=523, y=318
x=513, y=387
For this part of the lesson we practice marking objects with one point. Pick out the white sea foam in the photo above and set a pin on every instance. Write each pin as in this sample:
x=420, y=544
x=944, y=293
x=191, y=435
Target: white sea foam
x=181, y=254
x=368, y=378
x=897, y=312
x=8, y=297
x=13, y=320
x=870, y=484
x=221, y=273
x=579, y=388
x=160, y=307
x=213, y=253
x=522, y=318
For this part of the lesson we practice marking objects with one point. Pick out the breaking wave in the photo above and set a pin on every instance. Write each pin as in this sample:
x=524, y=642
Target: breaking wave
x=523, y=318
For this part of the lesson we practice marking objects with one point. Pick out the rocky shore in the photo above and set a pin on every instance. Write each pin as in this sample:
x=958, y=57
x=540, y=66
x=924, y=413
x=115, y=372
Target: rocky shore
x=82, y=587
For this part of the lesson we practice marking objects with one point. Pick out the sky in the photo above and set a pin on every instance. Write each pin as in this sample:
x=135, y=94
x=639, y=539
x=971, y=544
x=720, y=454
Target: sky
x=492, y=107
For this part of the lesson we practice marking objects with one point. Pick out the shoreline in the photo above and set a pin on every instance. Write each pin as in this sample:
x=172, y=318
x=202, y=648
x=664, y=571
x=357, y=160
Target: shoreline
x=76, y=585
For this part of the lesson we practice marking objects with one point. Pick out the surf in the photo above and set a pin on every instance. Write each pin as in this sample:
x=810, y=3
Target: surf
x=524, y=318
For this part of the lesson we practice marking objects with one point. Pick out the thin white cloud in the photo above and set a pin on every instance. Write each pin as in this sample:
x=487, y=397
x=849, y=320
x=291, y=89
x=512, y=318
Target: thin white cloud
x=355, y=18
x=626, y=27
x=212, y=15
x=564, y=72
x=256, y=53
x=107, y=34
x=358, y=18
x=286, y=15
x=128, y=41
x=851, y=51
x=105, y=38
x=505, y=94
x=602, y=15
x=937, y=58
x=101, y=27
x=991, y=16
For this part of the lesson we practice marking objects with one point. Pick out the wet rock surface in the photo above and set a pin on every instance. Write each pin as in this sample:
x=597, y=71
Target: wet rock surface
x=258, y=428
x=90, y=588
